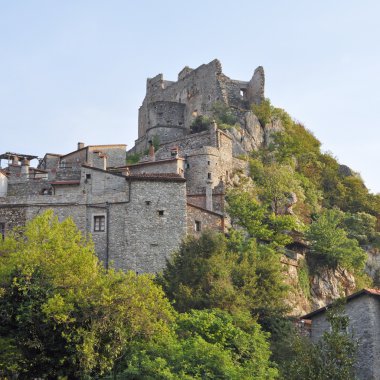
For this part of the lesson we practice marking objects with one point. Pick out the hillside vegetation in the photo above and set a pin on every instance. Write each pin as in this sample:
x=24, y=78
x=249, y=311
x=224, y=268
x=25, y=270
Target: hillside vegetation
x=220, y=308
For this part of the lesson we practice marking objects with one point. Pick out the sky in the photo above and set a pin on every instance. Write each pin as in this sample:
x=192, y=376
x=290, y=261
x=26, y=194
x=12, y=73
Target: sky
x=75, y=71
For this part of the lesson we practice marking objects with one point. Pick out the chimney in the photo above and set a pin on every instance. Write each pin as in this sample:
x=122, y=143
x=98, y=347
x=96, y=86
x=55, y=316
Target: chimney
x=174, y=152
x=209, y=195
x=152, y=155
x=25, y=167
x=80, y=145
x=15, y=160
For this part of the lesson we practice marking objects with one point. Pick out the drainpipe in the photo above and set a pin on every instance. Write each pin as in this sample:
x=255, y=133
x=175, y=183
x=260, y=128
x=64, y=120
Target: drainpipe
x=107, y=234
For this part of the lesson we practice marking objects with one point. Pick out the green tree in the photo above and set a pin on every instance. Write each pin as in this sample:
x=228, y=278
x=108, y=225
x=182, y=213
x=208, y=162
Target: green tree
x=62, y=313
x=330, y=245
x=260, y=223
x=204, y=344
x=199, y=275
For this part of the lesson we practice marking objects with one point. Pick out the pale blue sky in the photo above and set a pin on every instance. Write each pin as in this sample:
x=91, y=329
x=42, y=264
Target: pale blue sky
x=74, y=70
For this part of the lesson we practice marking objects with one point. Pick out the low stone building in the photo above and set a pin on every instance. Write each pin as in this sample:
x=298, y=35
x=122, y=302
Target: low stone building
x=137, y=217
x=363, y=310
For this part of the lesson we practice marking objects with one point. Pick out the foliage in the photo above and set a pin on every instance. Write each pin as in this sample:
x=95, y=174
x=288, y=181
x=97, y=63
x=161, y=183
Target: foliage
x=203, y=344
x=331, y=244
x=263, y=111
x=62, y=313
x=303, y=278
x=200, y=124
x=260, y=223
x=333, y=357
x=133, y=158
x=362, y=227
x=236, y=275
x=223, y=114
x=199, y=275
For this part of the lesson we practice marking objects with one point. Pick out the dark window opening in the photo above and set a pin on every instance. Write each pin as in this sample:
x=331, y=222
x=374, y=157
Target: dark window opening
x=187, y=166
x=88, y=176
x=99, y=223
x=2, y=231
x=197, y=226
x=208, y=175
x=161, y=212
x=147, y=203
x=208, y=162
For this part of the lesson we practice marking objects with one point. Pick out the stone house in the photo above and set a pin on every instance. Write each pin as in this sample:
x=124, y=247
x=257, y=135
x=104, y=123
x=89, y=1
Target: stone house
x=363, y=310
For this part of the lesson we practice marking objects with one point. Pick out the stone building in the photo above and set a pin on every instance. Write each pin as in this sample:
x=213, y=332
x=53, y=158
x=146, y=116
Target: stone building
x=170, y=107
x=139, y=213
x=363, y=310
x=129, y=217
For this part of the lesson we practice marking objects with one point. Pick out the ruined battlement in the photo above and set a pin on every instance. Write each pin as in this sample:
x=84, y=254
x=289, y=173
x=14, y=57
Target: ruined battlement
x=170, y=107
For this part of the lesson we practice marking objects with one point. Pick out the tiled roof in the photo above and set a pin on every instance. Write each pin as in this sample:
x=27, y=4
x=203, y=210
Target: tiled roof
x=73, y=182
x=157, y=177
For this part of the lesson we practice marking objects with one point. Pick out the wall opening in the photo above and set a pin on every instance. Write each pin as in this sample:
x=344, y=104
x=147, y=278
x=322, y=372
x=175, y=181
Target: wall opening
x=197, y=226
x=160, y=212
x=2, y=231
x=99, y=223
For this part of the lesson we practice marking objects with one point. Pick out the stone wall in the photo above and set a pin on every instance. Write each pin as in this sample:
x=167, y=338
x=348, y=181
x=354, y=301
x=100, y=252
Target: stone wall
x=155, y=224
x=169, y=166
x=12, y=216
x=364, y=314
x=198, y=89
x=199, y=220
x=23, y=187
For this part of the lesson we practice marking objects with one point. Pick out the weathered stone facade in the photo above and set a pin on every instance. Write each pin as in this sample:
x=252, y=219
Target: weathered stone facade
x=363, y=310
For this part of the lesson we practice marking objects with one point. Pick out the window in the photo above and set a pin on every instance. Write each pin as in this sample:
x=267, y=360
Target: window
x=208, y=175
x=208, y=162
x=160, y=212
x=197, y=226
x=147, y=203
x=2, y=231
x=99, y=223
x=88, y=176
x=62, y=164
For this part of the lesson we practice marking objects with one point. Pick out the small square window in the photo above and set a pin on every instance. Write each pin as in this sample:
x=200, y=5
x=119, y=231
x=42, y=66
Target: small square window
x=160, y=212
x=88, y=176
x=208, y=175
x=208, y=162
x=147, y=203
x=2, y=231
x=197, y=226
x=99, y=223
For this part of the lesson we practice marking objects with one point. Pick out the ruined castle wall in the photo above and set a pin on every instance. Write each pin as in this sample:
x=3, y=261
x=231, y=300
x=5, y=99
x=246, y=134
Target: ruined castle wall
x=198, y=89
x=166, y=114
x=155, y=224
